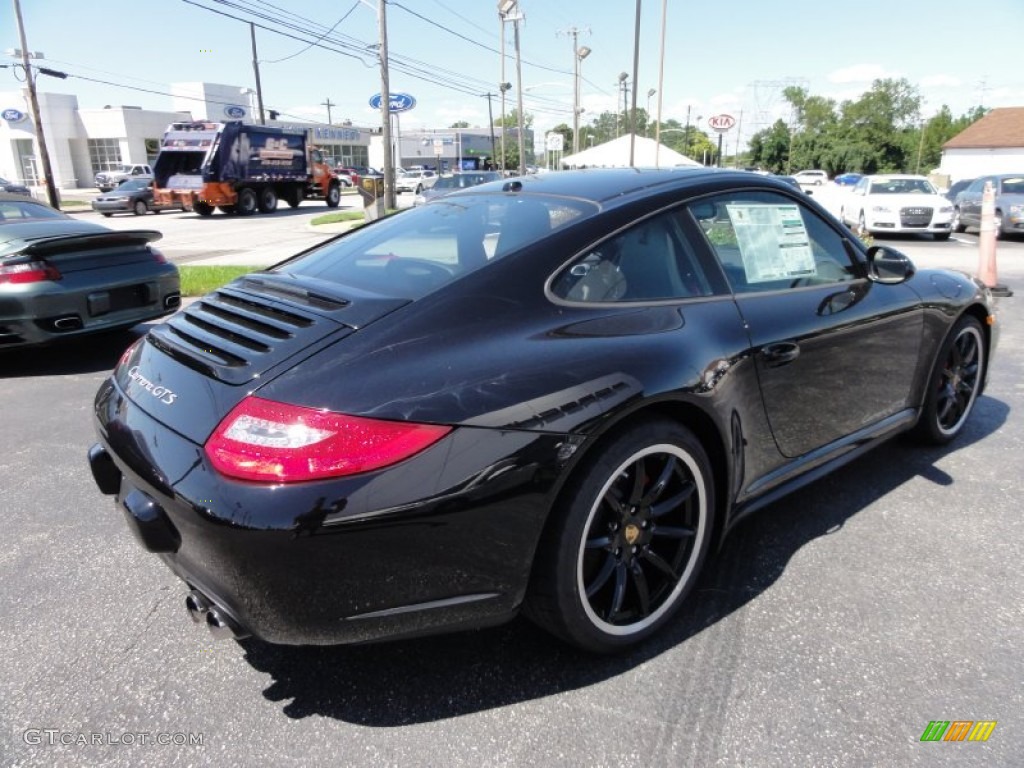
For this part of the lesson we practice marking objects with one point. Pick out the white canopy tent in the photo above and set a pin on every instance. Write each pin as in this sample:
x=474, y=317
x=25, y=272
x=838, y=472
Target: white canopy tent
x=615, y=154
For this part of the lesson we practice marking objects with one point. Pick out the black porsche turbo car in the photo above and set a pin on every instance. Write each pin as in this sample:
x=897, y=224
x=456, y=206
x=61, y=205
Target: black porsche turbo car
x=552, y=394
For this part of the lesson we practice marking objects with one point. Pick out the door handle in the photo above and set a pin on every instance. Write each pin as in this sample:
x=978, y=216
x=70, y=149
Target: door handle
x=780, y=354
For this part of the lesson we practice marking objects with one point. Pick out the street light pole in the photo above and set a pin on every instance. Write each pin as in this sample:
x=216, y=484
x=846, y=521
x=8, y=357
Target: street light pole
x=647, y=128
x=519, y=95
x=636, y=71
x=579, y=54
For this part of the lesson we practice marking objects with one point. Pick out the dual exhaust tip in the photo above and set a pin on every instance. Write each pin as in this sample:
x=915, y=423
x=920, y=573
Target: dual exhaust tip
x=202, y=610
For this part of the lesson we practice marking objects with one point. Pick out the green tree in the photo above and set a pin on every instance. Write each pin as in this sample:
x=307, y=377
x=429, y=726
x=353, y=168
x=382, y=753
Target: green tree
x=459, y=124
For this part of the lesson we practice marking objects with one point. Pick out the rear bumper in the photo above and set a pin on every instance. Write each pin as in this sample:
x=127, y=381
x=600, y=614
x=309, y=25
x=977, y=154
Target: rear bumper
x=44, y=313
x=440, y=542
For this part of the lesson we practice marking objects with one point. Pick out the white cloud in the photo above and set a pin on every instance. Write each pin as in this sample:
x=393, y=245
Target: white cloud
x=940, y=81
x=859, y=73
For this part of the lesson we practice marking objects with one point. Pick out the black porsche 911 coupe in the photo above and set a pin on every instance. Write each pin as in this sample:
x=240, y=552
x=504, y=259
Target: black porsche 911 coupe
x=553, y=394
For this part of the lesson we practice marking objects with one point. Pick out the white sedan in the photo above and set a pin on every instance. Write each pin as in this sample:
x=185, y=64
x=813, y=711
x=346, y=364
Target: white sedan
x=897, y=203
x=415, y=181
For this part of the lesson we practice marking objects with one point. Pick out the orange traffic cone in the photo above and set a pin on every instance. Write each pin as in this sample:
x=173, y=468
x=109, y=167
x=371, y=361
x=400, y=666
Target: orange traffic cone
x=987, y=244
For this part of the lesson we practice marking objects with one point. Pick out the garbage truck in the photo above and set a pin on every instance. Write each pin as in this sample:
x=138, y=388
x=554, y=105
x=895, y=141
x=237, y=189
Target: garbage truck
x=239, y=169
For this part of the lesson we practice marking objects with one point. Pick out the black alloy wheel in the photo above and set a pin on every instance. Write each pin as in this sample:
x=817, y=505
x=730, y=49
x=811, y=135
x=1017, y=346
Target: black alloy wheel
x=628, y=546
x=954, y=384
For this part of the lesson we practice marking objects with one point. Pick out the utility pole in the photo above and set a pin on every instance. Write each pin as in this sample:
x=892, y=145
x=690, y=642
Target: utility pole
x=256, y=70
x=328, y=103
x=385, y=109
x=51, y=188
x=578, y=55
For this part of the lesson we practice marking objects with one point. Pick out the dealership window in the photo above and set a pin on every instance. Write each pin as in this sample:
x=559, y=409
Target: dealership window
x=104, y=154
x=152, y=150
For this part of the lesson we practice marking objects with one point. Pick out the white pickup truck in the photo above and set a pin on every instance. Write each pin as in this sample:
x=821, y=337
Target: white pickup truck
x=107, y=180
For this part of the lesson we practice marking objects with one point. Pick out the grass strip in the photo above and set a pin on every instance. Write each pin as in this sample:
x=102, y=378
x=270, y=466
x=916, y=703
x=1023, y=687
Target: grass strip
x=200, y=280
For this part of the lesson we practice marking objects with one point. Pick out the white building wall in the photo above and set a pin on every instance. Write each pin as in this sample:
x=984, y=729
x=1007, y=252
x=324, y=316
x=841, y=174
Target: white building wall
x=971, y=163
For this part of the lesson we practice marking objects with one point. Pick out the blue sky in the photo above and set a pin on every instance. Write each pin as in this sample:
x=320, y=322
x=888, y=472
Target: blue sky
x=720, y=57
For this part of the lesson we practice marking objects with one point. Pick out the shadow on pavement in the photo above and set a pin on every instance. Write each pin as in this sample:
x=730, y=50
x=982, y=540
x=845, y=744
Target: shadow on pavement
x=87, y=354
x=435, y=678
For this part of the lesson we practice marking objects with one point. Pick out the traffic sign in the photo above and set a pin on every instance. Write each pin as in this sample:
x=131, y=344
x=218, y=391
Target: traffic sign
x=721, y=123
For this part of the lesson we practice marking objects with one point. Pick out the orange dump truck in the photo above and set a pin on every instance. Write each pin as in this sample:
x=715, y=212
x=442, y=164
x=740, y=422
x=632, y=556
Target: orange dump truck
x=240, y=169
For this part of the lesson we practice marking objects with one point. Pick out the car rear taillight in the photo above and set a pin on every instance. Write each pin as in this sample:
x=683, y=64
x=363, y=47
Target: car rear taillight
x=28, y=272
x=273, y=442
x=158, y=255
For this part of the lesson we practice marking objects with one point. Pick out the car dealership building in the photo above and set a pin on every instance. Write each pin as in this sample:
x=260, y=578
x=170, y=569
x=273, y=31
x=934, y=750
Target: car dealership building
x=84, y=141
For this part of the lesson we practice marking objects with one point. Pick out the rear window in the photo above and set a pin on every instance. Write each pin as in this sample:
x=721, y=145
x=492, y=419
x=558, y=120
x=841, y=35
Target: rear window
x=419, y=250
x=17, y=210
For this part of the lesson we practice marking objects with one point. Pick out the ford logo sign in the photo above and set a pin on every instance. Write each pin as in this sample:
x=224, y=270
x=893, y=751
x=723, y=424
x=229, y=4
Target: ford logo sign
x=234, y=112
x=13, y=115
x=399, y=102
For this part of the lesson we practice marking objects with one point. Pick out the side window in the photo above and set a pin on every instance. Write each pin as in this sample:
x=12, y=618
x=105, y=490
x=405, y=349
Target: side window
x=650, y=261
x=977, y=186
x=767, y=242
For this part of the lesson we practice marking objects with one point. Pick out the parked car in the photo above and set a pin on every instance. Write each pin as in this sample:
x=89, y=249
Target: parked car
x=344, y=177
x=61, y=277
x=1009, y=204
x=791, y=180
x=356, y=173
x=817, y=178
x=14, y=188
x=848, y=179
x=415, y=181
x=554, y=394
x=131, y=196
x=107, y=180
x=956, y=188
x=447, y=184
x=897, y=204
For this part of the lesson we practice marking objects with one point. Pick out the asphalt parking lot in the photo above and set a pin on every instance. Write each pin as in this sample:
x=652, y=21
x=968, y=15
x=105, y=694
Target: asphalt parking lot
x=830, y=629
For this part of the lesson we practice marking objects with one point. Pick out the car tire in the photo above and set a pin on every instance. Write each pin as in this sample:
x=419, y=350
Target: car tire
x=862, y=226
x=626, y=542
x=247, y=203
x=958, y=225
x=203, y=209
x=268, y=200
x=293, y=197
x=107, y=215
x=333, y=196
x=418, y=190
x=140, y=207
x=954, y=383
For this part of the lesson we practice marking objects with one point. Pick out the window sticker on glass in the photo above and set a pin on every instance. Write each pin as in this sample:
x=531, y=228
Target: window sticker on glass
x=773, y=241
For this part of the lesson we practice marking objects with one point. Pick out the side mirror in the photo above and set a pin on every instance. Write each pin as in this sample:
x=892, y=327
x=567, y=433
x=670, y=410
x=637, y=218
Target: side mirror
x=888, y=266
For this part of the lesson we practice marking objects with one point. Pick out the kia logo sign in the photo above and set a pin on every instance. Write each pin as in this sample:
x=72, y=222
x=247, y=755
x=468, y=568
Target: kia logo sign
x=399, y=102
x=234, y=111
x=13, y=115
x=721, y=123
